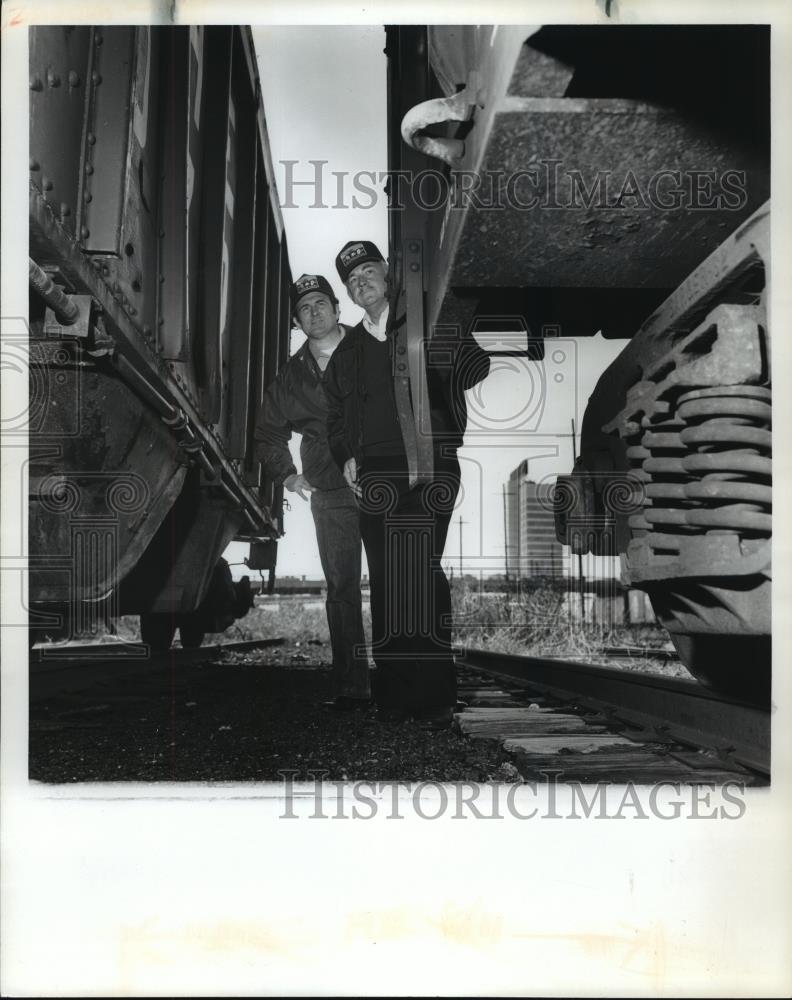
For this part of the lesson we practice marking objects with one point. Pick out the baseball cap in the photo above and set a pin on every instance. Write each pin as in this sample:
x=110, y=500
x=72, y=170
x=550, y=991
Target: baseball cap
x=310, y=283
x=354, y=253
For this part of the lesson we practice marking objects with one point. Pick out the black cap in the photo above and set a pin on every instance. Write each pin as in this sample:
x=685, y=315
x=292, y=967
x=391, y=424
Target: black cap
x=354, y=253
x=310, y=283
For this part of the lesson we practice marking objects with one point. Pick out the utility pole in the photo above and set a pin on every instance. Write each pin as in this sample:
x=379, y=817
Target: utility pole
x=505, y=538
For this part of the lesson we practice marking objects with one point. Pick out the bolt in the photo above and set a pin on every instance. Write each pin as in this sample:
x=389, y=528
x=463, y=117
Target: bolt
x=91, y=139
x=402, y=366
x=85, y=232
x=96, y=77
x=89, y=169
x=35, y=83
x=47, y=184
x=52, y=78
x=74, y=79
x=34, y=164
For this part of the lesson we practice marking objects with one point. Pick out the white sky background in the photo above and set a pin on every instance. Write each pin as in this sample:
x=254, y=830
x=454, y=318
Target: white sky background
x=324, y=99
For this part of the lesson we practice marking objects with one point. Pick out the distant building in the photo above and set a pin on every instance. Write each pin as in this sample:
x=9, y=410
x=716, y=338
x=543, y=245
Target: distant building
x=531, y=545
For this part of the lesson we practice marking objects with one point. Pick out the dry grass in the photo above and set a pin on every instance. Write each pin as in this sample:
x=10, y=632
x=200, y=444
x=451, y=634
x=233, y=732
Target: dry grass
x=536, y=623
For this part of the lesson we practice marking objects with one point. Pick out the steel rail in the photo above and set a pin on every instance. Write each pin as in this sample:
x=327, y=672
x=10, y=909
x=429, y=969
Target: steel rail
x=681, y=710
x=58, y=669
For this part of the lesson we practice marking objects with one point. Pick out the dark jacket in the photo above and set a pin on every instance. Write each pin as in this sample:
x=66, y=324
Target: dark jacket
x=453, y=364
x=296, y=402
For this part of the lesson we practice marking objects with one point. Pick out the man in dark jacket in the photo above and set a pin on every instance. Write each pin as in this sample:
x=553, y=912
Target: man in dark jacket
x=296, y=401
x=404, y=520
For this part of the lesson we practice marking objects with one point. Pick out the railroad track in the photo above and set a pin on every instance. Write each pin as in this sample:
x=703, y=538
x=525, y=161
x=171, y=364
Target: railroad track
x=75, y=666
x=597, y=723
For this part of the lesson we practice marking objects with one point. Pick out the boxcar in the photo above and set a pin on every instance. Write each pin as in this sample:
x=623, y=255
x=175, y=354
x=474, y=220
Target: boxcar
x=159, y=278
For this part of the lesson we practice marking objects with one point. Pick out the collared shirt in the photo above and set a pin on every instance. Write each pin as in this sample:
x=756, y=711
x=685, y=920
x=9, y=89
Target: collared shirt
x=377, y=330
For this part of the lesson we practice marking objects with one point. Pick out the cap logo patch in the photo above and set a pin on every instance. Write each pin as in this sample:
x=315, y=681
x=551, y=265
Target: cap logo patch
x=306, y=283
x=352, y=253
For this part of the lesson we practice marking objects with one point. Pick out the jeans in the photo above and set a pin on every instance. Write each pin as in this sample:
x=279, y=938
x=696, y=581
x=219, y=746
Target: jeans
x=336, y=521
x=404, y=531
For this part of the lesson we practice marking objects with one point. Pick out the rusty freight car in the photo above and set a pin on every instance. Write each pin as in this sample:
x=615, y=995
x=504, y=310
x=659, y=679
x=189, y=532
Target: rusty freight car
x=158, y=313
x=616, y=179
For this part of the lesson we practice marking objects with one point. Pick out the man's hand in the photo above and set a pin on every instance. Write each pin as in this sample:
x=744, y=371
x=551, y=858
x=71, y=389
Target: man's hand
x=350, y=476
x=296, y=483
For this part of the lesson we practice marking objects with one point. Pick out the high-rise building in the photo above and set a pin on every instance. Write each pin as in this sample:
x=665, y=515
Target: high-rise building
x=531, y=545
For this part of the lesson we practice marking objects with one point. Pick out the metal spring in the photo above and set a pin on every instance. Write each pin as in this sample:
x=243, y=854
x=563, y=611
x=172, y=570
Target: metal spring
x=707, y=466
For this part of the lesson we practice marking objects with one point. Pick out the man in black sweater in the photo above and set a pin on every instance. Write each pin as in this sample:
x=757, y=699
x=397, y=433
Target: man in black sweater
x=404, y=523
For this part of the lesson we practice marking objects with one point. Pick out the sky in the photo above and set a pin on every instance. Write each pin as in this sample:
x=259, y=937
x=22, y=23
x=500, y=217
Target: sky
x=324, y=99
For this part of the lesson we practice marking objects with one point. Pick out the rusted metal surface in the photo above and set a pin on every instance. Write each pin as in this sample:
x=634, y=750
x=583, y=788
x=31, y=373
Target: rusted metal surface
x=586, y=195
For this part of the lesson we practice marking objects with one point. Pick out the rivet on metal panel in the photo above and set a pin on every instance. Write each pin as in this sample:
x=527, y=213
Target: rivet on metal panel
x=413, y=247
x=74, y=78
x=34, y=164
x=52, y=78
x=85, y=232
x=91, y=139
x=96, y=77
x=87, y=197
x=414, y=267
x=35, y=83
x=98, y=39
x=47, y=184
x=146, y=330
x=401, y=349
x=402, y=366
x=89, y=169
x=64, y=210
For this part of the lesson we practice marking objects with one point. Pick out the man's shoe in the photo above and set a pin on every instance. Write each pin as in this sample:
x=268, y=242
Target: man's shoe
x=343, y=703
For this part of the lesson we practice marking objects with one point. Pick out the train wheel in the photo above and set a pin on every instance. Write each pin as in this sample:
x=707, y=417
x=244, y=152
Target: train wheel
x=191, y=631
x=733, y=665
x=157, y=631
